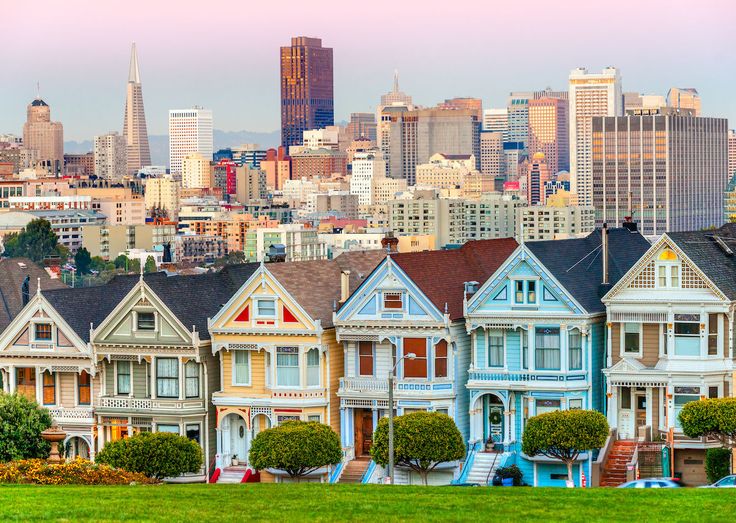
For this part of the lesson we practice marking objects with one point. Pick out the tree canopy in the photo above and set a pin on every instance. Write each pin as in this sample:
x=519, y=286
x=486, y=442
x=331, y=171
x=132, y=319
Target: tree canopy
x=150, y=265
x=36, y=241
x=83, y=261
x=564, y=434
x=21, y=424
x=298, y=447
x=422, y=440
x=714, y=417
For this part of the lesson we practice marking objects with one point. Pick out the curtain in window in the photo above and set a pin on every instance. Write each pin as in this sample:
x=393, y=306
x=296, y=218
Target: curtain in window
x=191, y=383
x=241, y=360
x=365, y=357
x=313, y=368
x=49, y=389
x=547, y=354
x=416, y=368
x=123, y=377
x=495, y=349
x=575, y=343
x=167, y=377
x=287, y=367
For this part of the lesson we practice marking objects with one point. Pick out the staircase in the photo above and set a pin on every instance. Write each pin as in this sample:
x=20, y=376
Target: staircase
x=354, y=470
x=614, y=472
x=484, y=467
x=232, y=474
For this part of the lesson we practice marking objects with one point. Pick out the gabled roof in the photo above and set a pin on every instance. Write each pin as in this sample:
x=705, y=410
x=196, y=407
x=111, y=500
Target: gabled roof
x=12, y=273
x=316, y=285
x=441, y=275
x=578, y=263
x=192, y=299
x=702, y=248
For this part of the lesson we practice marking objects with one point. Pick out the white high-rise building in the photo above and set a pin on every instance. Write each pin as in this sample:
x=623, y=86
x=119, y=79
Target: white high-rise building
x=163, y=194
x=367, y=167
x=111, y=156
x=195, y=172
x=190, y=131
x=590, y=94
x=496, y=121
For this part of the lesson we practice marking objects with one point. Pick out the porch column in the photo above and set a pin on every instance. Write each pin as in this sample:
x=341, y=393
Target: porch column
x=181, y=378
x=730, y=335
x=613, y=407
x=609, y=345
x=11, y=379
x=153, y=377
x=100, y=434
x=218, y=453
x=650, y=407
x=472, y=349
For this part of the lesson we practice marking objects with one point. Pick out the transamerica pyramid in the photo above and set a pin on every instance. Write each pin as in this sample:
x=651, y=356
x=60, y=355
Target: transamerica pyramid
x=134, y=126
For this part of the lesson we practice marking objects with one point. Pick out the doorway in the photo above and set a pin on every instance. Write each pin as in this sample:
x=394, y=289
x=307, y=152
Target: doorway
x=640, y=410
x=234, y=440
x=363, y=431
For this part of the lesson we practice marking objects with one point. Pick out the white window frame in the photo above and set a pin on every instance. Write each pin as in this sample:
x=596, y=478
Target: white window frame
x=667, y=265
x=672, y=350
x=622, y=335
x=318, y=416
x=234, y=382
x=115, y=376
x=159, y=425
x=570, y=400
x=51, y=342
x=307, y=367
x=198, y=376
x=495, y=333
x=525, y=292
x=401, y=293
x=256, y=309
x=135, y=321
x=275, y=363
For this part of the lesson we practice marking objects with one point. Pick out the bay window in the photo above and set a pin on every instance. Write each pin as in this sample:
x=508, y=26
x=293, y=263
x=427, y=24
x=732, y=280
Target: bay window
x=712, y=334
x=495, y=349
x=544, y=406
x=687, y=335
x=287, y=366
x=575, y=348
x=313, y=368
x=365, y=358
x=632, y=338
x=167, y=377
x=123, y=377
x=83, y=388
x=49, y=388
x=524, y=349
x=547, y=353
x=241, y=367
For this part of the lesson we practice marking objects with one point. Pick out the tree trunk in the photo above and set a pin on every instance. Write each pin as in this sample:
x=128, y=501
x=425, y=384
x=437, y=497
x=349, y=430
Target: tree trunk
x=424, y=474
x=569, y=472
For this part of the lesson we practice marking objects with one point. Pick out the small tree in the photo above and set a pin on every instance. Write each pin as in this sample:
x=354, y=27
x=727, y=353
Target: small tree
x=297, y=447
x=150, y=265
x=564, y=434
x=36, y=241
x=717, y=463
x=134, y=265
x=422, y=440
x=83, y=261
x=21, y=424
x=714, y=417
x=121, y=262
x=157, y=455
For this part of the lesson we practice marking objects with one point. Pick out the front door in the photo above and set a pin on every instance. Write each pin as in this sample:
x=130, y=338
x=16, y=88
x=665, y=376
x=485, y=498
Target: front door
x=625, y=414
x=640, y=413
x=363, y=431
x=25, y=382
x=238, y=443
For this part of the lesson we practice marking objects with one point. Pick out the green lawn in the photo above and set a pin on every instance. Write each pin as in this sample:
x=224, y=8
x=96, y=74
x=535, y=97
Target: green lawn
x=205, y=503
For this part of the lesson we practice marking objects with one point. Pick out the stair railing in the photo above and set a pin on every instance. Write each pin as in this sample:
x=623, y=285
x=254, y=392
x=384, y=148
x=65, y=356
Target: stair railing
x=493, y=465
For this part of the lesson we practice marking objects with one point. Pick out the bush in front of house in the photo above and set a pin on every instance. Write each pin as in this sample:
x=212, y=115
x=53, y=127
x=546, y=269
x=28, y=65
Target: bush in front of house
x=298, y=447
x=21, y=424
x=717, y=463
x=77, y=472
x=513, y=472
x=156, y=455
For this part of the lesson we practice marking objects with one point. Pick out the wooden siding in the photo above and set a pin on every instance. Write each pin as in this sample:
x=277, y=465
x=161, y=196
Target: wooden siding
x=336, y=369
x=67, y=383
x=257, y=375
x=138, y=379
x=650, y=353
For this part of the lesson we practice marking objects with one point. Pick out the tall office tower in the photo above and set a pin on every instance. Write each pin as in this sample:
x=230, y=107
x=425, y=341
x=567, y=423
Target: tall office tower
x=307, y=93
x=44, y=137
x=134, y=124
x=196, y=172
x=731, y=152
x=549, y=93
x=396, y=96
x=548, y=132
x=684, y=98
x=537, y=176
x=496, y=120
x=367, y=167
x=361, y=126
x=470, y=104
x=190, y=131
x=518, y=116
x=491, y=153
x=111, y=154
x=667, y=170
x=590, y=95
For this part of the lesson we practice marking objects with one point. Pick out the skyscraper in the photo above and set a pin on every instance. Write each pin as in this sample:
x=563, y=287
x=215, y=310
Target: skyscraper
x=684, y=98
x=396, y=96
x=134, y=124
x=190, y=131
x=667, y=170
x=518, y=115
x=307, y=92
x=44, y=137
x=110, y=156
x=496, y=120
x=590, y=95
x=548, y=132
x=731, y=152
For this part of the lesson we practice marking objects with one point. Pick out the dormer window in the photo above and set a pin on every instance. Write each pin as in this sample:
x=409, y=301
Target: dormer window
x=393, y=300
x=525, y=292
x=42, y=332
x=146, y=321
x=668, y=270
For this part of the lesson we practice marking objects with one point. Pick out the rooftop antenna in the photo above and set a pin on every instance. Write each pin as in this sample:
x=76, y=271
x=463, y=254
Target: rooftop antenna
x=396, y=80
x=38, y=90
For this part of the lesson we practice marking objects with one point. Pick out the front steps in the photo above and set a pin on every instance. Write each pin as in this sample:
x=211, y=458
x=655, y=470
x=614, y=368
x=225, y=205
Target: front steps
x=614, y=471
x=484, y=467
x=354, y=470
x=232, y=474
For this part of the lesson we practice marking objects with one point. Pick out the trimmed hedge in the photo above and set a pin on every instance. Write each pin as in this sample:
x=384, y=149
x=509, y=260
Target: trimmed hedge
x=717, y=463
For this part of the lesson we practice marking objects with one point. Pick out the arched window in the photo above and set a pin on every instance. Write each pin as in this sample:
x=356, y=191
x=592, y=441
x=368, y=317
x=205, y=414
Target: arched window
x=668, y=269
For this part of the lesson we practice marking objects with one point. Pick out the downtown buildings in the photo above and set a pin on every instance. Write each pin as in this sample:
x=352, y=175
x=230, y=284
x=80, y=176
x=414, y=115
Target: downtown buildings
x=190, y=132
x=44, y=138
x=135, y=131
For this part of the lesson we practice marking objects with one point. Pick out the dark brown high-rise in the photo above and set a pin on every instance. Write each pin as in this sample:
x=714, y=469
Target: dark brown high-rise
x=306, y=88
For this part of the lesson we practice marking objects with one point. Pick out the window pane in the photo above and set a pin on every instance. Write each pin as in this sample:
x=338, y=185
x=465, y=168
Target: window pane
x=440, y=359
x=49, y=389
x=632, y=337
x=174, y=429
x=241, y=366
x=83, y=381
x=365, y=355
x=313, y=368
x=43, y=331
x=287, y=366
x=123, y=368
x=531, y=291
x=266, y=308
x=192, y=432
x=544, y=406
x=524, y=349
x=146, y=321
x=191, y=385
x=576, y=350
x=495, y=350
x=167, y=377
x=392, y=300
x=547, y=353
x=416, y=368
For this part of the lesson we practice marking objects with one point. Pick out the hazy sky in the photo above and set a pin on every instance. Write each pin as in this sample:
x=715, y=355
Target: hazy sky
x=224, y=55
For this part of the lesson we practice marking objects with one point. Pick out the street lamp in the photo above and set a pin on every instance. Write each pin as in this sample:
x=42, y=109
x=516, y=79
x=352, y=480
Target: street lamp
x=409, y=356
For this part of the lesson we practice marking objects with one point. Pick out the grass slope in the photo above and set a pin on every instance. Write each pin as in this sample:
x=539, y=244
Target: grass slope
x=195, y=503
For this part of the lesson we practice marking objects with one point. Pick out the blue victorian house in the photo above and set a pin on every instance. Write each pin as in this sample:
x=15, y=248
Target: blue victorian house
x=537, y=330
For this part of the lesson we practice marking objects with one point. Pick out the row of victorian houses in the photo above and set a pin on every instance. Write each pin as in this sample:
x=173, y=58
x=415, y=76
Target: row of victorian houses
x=500, y=332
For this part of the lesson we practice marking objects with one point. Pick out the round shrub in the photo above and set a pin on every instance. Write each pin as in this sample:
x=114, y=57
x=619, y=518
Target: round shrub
x=21, y=424
x=156, y=455
x=77, y=472
x=717, y=463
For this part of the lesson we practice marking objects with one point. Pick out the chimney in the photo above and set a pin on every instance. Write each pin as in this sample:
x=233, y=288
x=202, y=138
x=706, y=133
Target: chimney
x=604, y=239
x=344, y=286
x=390, y=243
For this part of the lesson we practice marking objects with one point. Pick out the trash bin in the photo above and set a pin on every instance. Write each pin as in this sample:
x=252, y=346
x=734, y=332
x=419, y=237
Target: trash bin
x=507, y=482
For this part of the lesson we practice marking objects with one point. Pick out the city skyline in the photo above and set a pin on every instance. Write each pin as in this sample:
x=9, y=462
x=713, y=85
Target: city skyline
x=85, y=84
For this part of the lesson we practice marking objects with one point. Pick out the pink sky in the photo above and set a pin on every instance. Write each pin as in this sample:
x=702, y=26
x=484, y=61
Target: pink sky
x=224, y=54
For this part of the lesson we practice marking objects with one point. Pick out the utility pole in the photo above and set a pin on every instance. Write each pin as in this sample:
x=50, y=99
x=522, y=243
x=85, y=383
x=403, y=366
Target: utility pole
x=409, y=356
